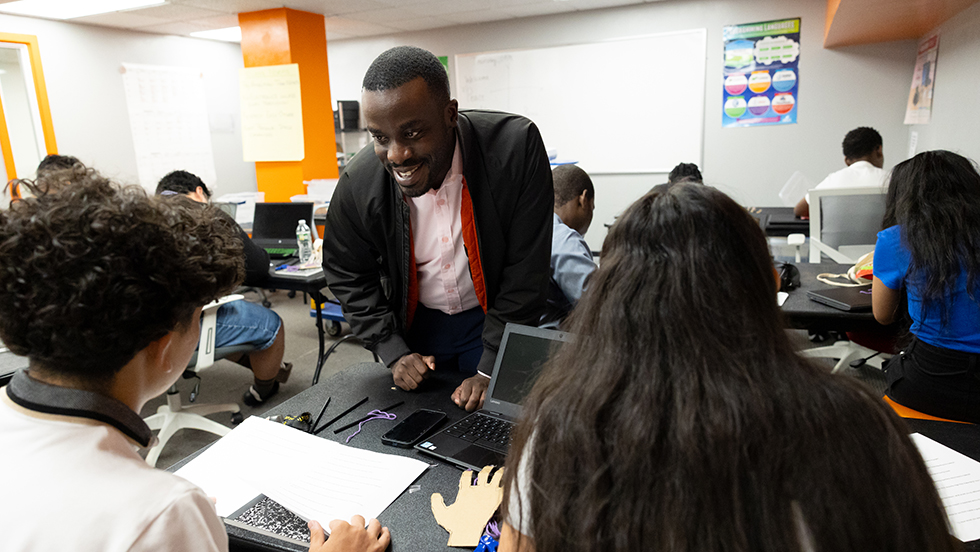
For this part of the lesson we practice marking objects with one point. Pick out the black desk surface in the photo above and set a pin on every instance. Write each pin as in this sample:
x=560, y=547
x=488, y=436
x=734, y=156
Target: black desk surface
x=773, y=228
x=410, y=517
x=802, y=313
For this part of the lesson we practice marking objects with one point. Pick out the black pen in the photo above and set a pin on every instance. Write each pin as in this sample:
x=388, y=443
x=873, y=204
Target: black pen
x=341, y=415
x=322, y=410
x=354, y=423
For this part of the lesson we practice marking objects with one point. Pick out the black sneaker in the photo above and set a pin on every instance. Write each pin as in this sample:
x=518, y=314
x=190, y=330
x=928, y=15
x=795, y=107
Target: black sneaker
x=253, y=398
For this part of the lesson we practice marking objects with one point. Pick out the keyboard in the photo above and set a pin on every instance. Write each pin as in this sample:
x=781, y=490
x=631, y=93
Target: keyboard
x=483, y=430
x=280, y=252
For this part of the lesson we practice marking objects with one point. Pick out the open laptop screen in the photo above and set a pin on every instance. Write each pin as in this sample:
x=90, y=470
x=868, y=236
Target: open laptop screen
x=277, y=221
x=522, y=360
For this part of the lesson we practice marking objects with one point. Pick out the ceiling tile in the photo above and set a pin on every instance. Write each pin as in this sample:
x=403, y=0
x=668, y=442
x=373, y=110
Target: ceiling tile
x=384, y=15
x=337, y=36
x=481, y=16
x=217, y=22
x=177, y=12
x=599, y=4
x=338, y=7
x=126, y=19
x=353, y=27
x=538, y=8
x=180, y=28
x=441, y=7
x=420, y=24
x=231, y=6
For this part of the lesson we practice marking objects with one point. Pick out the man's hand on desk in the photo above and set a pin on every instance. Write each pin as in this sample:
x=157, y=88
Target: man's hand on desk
x=350, y=537
x=411, y=369
x=471, y=393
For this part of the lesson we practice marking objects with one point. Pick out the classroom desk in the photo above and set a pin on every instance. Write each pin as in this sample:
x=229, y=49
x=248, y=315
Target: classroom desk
x=802, y=313
x=778, y=228
x=313, y=285
x=410, y=517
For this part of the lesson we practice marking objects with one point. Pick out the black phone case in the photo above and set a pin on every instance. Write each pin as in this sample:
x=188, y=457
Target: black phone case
x=385, y=440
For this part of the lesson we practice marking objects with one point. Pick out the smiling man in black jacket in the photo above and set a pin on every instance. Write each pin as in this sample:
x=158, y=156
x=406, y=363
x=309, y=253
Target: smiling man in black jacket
x=442, y=236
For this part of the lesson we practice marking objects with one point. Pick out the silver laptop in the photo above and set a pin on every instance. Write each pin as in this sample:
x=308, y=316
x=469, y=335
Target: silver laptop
x=482, y=438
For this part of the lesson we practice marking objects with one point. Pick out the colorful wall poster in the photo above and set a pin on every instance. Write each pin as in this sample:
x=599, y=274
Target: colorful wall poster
x=919, y=109
x=762, y=78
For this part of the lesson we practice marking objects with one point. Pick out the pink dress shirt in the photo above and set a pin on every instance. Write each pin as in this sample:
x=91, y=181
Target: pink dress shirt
x=444, y=277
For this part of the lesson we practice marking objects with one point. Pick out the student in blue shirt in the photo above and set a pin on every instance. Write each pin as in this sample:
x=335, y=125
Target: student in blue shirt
x=571, y=258
x=930, y=250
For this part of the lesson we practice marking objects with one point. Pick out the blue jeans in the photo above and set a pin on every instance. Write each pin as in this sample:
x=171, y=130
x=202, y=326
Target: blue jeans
x=241, y=322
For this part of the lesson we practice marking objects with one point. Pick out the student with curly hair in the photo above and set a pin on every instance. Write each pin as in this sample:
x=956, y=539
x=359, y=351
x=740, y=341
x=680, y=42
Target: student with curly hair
x=682, y=419
x=930, y=252
x=101, y=288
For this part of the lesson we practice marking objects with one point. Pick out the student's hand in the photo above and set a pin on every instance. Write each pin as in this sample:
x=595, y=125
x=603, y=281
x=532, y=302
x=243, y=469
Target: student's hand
x=411, y=369
x=471, y=393
x=349, y=537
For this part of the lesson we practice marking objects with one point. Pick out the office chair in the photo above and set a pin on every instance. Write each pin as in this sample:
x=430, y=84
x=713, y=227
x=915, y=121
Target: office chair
x=174, y=416
x=844, y=225
x=844, y=222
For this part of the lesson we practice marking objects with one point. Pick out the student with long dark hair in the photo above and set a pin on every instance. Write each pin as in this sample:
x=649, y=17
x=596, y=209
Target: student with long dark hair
x=930, y=251
x=682, y=419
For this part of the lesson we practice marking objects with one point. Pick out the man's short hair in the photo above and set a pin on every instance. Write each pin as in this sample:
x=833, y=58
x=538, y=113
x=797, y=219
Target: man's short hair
x=92, y=274
x=570, y=182
x=861, y=142
x=182, y=182
x=685, y=172
x=55, y=162
x=403, y=64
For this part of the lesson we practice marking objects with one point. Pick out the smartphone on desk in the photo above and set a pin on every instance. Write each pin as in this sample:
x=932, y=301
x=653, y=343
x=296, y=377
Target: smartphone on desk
x=411, y=430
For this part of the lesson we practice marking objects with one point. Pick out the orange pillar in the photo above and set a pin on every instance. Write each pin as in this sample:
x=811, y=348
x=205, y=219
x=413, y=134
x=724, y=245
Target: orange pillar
x=278, y=37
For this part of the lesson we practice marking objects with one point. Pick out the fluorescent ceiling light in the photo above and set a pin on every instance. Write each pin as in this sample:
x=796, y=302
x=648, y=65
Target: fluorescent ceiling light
x=70, y=9
x=228, y=34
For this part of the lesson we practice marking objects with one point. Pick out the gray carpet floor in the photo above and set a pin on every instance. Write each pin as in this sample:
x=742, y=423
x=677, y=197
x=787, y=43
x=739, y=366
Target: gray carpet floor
x=227, y=381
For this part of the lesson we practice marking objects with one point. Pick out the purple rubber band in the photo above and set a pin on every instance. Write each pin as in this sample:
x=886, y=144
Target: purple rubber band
x=375, y=415
x=493, y=530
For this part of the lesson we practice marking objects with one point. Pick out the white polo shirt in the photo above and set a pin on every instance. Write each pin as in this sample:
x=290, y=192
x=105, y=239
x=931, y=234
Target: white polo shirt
x=75, y=483
x=856, y=175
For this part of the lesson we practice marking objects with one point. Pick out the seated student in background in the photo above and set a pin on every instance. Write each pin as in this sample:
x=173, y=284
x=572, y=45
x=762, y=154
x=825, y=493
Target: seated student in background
x=241, y=322
x=571, y=258
x=683, y=172
x=51, y=162
x=102, y=292
x=682, y=418
x=930, y=251
x=864, y=159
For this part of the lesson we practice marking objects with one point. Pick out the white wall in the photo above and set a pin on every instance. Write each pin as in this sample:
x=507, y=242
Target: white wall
x=839, y=89
x=88, y=104
x=955, y=121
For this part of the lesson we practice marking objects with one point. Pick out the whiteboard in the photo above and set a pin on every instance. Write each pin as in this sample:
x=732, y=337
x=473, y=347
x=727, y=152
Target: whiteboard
x=634, y=105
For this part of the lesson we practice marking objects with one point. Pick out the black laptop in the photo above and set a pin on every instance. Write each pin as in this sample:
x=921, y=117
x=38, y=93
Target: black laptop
x=482, y=438
x=274, y=227
x=849, y=299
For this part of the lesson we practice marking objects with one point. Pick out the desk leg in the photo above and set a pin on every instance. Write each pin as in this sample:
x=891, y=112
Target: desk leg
x=317, y=299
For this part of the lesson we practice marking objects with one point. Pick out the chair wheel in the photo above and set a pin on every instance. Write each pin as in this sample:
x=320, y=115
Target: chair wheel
x=237, y=418
x=291, y=294
x=333, y=329
x=267, y=304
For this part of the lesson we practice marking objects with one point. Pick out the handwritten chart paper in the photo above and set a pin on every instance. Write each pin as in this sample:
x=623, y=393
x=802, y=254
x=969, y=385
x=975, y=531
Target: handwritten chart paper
x=272, y=113
x=168, y=117
x=336, y=481
x=957, y=479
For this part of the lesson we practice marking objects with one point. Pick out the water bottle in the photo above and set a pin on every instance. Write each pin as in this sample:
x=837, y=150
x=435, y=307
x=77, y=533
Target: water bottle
x=304, y=241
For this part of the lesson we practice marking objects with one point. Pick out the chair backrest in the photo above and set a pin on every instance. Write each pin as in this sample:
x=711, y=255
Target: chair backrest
x=205, y=355
x=845, y=217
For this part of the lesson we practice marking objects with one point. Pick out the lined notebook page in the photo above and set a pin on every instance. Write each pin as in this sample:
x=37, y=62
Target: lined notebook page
x=312, y=477
x=957, y=479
